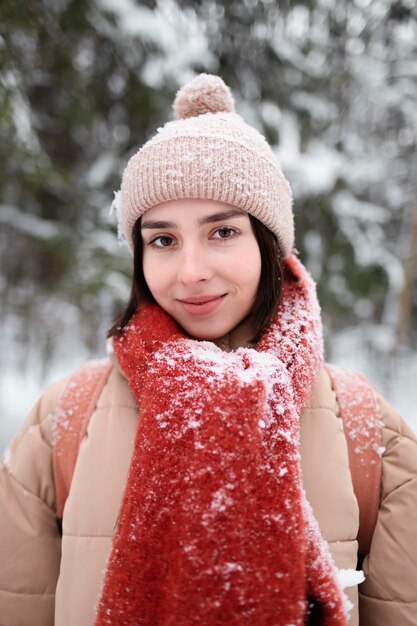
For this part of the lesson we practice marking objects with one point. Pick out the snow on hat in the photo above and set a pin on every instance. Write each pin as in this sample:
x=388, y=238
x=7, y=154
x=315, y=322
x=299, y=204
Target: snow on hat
x=208, y=152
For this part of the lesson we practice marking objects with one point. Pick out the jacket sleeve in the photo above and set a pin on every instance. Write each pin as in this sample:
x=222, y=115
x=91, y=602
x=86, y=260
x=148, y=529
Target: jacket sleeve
x=389, y=594
x=30, y=541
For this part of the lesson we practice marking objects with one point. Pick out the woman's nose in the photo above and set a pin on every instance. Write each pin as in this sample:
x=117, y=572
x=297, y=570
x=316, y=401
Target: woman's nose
x=194, y=265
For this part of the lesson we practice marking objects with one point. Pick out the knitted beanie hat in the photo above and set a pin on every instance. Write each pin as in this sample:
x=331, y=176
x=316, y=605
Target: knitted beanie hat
x=208, y=153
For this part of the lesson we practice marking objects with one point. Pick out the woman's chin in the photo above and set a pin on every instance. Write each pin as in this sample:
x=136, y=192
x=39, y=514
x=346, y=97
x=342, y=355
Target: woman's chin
x=205, y=331
x=206, y=334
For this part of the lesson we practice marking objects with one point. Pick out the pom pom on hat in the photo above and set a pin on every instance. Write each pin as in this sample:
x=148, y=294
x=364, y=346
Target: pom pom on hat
x=205, y=94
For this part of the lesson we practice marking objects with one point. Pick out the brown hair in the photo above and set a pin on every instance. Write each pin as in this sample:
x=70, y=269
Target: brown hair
x=270, y=283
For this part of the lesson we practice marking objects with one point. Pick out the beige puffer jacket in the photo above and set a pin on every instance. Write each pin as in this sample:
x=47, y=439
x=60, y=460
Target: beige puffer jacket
x=46, y=580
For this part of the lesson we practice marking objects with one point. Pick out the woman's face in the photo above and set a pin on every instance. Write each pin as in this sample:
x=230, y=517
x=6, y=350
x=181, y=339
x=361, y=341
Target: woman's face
x=202, y=264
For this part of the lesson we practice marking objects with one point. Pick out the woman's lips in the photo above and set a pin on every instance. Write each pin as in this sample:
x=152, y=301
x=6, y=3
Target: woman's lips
x=201, y=305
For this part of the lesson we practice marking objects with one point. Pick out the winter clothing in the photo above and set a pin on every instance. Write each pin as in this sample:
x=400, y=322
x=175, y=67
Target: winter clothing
x=120, y=553
x=30, y=545
x=214, y=527
x=208, y=153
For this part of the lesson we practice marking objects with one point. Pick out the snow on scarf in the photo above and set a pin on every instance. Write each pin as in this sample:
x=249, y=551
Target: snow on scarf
x=214, y=527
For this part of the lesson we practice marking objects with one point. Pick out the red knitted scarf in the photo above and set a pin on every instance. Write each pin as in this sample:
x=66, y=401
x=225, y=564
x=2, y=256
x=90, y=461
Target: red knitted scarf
x=214, y=527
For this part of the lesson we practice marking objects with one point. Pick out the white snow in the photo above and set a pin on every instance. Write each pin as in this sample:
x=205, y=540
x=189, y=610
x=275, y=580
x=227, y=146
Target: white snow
x=21, y=111
x=101, y=169
x=166, y=27
x=30, y=224
x=349, y=577
x=366, y=349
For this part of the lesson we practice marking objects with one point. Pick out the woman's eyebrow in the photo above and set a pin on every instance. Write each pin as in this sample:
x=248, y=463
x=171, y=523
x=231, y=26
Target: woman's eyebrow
x=158, y=224
x=221, y=217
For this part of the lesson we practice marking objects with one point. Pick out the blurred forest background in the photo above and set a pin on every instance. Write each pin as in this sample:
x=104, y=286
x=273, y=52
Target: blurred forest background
x=83, y=83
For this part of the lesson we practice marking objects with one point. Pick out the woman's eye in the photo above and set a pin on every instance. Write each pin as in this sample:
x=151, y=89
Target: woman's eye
x=161, y=242
x=224, y=233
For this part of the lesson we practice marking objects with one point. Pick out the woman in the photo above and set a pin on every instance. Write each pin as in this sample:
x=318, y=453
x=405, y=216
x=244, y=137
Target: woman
x=214, y=477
